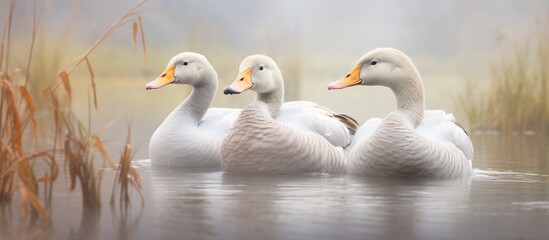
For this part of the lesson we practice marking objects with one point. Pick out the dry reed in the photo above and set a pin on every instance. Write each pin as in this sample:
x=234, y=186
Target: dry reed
x=17, y=118
x=19, y=127
x=127, y=176
x=516, y=98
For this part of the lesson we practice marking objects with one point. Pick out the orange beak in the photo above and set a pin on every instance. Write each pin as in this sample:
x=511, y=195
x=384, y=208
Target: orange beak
x=351, y=79
x=164, y=79
x=242, y=83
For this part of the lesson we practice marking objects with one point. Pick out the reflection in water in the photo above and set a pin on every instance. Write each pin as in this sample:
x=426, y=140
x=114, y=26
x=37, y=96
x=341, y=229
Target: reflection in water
x=124, y=224
x=505, y=198
x=12, y=226
x=181, y=201
x=318, y=206
x=6, y=220
x=127, y=224
x=527, y=154
x=89, y=225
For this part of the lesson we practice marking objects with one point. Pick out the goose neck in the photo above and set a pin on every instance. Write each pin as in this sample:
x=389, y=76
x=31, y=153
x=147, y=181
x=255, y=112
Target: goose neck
x=197, y=104
x=410, y=98
x=273, y=100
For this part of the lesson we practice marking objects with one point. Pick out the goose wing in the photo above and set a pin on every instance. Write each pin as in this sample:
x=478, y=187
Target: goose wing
x=442, y=128
x=308, y=116
x=217, y=121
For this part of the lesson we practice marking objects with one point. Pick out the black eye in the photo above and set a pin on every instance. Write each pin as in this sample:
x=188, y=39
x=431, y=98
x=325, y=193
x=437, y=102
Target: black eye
x=261, y=68
x=185, y=63
x=374, y=62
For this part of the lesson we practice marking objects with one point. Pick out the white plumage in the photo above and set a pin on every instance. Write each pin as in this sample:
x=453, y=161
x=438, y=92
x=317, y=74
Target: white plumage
x=409, y=141
x=310, y=117
x=191, y=135
x=304, y=138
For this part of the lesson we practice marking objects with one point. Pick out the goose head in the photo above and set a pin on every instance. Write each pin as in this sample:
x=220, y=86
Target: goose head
x=258, y=73
x=185, y=68
x=383, y=67
x=390, y=68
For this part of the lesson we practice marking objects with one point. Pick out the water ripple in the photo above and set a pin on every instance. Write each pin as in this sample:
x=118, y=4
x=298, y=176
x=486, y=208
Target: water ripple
x=508, y=176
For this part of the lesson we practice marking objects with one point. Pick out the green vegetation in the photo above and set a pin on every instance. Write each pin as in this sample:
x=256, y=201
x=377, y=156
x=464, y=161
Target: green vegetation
x=517, y=96
x=28, y=138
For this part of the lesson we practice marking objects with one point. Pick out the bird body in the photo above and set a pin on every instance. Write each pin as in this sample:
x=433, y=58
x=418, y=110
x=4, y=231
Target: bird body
x=408, y=142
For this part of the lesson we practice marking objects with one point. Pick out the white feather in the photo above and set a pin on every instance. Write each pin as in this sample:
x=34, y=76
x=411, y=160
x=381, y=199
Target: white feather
x=191, y=134
x=304, y=137
x=217, y=121
x=310, y=117
x=409, y=141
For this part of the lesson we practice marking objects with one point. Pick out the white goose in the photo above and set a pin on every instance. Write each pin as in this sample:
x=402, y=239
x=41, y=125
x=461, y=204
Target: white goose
x=409, y=141
x=304, y=138
x=191, y=135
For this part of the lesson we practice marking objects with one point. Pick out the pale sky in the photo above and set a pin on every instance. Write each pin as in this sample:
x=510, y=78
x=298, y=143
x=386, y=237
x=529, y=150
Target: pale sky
x=449, y=41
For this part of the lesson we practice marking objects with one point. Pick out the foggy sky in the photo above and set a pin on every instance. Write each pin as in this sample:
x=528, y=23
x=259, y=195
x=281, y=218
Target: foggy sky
x=348, y=27
x=449, y=41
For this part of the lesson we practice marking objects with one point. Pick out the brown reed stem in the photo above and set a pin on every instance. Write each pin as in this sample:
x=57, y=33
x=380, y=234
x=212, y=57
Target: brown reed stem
x=107, y=33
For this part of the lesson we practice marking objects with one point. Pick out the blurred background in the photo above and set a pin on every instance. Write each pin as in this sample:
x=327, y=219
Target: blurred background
x=456, y=45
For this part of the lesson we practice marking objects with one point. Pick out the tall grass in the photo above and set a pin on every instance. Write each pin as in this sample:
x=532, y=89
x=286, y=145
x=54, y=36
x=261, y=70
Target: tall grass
x=79, y=149
x=17, y=118
x=517, y=95
x=22, y=137
x=127, y=176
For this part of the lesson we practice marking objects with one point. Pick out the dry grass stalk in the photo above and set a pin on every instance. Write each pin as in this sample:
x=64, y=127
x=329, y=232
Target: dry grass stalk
x=16, y=171
x=15, y=157
x=516, y=100
x=127, y=177
x=79, y=144
x=79, y=149
x=17, y=122
x=122, y=21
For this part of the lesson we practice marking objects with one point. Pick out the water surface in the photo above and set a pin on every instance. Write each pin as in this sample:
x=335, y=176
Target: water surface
x=507, y=197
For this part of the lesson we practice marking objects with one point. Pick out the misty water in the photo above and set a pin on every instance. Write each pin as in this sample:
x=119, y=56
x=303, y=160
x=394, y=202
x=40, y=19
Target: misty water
x=507, y=197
